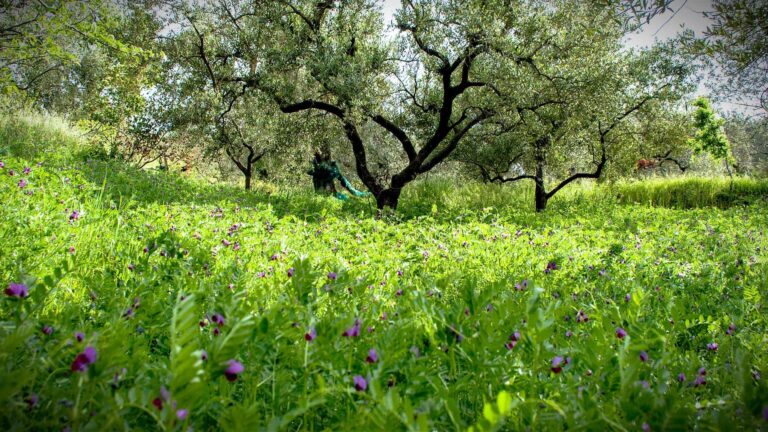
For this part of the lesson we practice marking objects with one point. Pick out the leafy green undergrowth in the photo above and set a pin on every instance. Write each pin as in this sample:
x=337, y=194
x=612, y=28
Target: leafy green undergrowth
x=693, y=192
x=493, y=318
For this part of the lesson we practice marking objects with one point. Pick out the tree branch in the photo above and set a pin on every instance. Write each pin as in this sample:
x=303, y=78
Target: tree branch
x=397, y=133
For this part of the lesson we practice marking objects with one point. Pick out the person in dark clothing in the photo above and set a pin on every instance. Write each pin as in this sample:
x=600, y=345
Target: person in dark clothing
x=324, y=172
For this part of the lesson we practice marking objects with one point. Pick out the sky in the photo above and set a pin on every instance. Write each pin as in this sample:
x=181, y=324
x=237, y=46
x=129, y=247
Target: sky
x=688, y=14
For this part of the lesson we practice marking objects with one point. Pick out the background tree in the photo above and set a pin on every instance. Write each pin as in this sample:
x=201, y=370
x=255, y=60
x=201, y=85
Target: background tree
x=332, y=60
x=709, y=135
x=577, y=105
x=40, y=38
x=749, y=143
x=737, y=40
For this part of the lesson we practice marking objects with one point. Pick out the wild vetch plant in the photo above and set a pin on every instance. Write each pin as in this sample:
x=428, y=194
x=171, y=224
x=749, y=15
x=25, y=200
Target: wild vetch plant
x=232, y=312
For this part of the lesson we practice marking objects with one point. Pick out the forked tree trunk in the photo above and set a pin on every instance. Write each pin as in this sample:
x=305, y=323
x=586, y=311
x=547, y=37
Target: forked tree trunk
x=248, y=175
x=541, y=193
x=541, y=196
x=388, y=198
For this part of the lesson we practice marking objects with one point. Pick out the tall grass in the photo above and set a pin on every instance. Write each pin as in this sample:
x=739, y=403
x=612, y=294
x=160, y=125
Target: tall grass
x=691, y=192
x=27, y=134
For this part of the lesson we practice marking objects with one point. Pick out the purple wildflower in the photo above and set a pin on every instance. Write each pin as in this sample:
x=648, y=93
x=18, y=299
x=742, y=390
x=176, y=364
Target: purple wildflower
x=165, y=396
x=731, y=329
x=399, y=292
x=712, y=346
x=216, y=331
x=557, y=365
x=700, y=381
x=360, y=383
x=353, y=331
x=702, y=371
x=2, y=164
x=79, y=336
x=128, y=314
x=233, y=369
x=643, y=356
x=82, y=360
x=17, y=290
x=203, y=355
x=182, y=414
x=31, y=400
x=581, y=317
x=75, y=215
x=399, y=273
x=681, y=377
x=291, y=271
x=47, y=330
x=620, y=333
x=226, y=242
x=218, y=319
x=22, y=184
x=489, y=308
x=310, y=335
x=415, y=351
x=646, y=427
x=550, y=266
x=372, y=357
x=332, y=276
x=568, y=333
x=627, y=297
x=27, y=170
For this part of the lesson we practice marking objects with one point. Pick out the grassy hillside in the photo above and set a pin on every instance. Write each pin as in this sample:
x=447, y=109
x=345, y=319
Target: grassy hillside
x=468, y=310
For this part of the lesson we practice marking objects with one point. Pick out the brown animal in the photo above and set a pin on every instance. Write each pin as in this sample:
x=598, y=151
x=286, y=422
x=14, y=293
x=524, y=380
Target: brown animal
x=646, y=164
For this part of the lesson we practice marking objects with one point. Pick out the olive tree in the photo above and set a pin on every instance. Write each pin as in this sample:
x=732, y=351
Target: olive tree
x=579, y=105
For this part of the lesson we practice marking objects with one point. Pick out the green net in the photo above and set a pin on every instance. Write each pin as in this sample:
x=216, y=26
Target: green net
x=323, y=176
